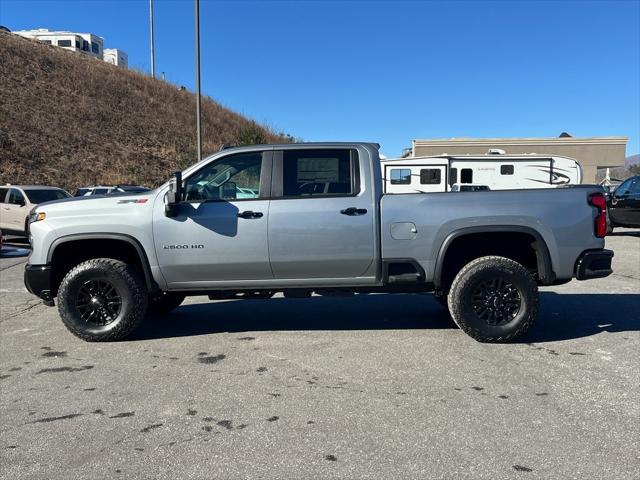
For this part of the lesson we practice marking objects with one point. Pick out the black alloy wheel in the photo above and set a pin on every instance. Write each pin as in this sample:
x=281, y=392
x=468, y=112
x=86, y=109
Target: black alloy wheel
x=496, y=301
x=493, y=299
x=98, y=302
x=102, y=299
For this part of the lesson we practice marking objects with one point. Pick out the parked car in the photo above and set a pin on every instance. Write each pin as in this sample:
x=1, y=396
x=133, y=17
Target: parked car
x=17, y=201
x=623, y=204
x=110, y=190
x=107, y=261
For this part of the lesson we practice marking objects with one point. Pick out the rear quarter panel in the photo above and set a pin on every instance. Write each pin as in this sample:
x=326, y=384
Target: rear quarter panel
x=562, y=217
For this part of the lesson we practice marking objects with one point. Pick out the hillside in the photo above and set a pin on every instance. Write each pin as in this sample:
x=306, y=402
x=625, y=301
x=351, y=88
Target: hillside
x=69, y=120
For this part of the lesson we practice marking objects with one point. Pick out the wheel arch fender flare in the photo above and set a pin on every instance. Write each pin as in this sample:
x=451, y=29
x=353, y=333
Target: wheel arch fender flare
x=543, y=258
x=144, y=260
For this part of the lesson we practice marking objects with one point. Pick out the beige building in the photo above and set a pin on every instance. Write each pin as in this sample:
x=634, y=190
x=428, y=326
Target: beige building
x=592, y=153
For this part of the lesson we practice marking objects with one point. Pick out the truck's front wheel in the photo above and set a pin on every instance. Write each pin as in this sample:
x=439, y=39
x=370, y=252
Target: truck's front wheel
x=101, y=300
x=493, y=299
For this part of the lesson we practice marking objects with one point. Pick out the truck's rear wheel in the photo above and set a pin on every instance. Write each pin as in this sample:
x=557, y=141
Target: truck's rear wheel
x=164, y=302
x=101, y=300
x=493, y=299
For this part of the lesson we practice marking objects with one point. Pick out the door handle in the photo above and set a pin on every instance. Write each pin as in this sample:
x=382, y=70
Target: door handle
x=249, y=214
x=353, y=211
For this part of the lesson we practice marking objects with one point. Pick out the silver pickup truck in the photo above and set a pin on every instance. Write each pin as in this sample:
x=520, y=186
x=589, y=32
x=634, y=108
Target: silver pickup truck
x=303, y=218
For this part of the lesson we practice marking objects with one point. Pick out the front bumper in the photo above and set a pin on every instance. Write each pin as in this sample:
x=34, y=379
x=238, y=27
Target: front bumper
x=37, y=279
x=594, y=264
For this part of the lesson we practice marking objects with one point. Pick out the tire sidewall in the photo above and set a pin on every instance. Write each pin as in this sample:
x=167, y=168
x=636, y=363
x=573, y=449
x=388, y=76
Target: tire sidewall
x=69, y=290
x=515, y=274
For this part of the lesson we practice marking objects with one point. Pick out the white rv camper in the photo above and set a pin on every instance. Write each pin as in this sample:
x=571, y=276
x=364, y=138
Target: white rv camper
x=497, y=172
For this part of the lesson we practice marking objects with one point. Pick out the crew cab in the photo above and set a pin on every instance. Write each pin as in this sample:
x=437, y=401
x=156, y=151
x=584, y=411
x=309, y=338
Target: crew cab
x=301, y=218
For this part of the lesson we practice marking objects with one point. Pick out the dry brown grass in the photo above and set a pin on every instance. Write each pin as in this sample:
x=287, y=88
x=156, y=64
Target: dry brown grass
x=70, y=120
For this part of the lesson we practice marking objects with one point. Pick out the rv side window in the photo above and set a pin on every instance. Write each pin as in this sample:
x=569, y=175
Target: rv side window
x=430, y=176
x=400, y=176
x=466, y=175
x=506, y=169
x=453, y=176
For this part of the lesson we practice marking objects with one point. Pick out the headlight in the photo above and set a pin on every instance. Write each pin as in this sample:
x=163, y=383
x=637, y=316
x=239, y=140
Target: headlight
x=37, y=216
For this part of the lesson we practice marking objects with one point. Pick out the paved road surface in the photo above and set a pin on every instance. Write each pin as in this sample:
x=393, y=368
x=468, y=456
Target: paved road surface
x=379, y=386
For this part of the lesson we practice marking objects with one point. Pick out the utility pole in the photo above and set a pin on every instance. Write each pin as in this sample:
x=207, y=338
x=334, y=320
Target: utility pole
x=198, y=131
x=153, y=68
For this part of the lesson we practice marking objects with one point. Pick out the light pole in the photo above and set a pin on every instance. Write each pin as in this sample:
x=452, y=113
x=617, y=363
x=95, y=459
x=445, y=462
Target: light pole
x=198, y=131
x=153, y=68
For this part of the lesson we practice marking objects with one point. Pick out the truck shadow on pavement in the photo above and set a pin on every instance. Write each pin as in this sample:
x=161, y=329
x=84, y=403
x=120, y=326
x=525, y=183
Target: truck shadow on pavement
x=562, y=316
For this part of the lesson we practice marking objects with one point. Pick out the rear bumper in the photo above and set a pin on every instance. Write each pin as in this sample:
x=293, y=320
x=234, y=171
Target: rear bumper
x=594, y=264
x=37, y=279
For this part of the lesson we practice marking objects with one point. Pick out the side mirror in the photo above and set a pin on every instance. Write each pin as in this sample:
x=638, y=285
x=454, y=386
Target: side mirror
x=174, y=195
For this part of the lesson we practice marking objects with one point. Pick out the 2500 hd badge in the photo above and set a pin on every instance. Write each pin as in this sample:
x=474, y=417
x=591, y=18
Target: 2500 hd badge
x=180, y=247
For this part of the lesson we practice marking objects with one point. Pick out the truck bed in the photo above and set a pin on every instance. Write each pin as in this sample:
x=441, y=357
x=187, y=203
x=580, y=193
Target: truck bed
x=558, y=215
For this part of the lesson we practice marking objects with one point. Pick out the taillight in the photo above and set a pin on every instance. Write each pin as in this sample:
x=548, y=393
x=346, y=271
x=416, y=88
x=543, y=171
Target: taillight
x=600, y=202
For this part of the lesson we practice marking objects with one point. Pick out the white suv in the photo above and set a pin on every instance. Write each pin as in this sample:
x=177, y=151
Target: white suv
x=17, y=201
x=109, y=190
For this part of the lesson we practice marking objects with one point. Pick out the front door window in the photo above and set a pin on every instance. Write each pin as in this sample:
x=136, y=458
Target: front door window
x=233, y=178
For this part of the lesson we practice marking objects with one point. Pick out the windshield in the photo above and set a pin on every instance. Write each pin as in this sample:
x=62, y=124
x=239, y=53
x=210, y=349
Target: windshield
x=41, y=196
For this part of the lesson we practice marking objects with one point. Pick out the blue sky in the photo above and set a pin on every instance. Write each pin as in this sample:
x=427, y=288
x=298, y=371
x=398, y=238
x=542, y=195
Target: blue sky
x=386, y=71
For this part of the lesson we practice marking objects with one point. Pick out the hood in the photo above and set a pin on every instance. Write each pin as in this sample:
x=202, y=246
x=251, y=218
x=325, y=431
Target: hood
x=119, y=203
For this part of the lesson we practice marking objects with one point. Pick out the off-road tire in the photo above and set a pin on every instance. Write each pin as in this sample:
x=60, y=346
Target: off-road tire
x=483, y=269
x=163, y=303
x=129, y=287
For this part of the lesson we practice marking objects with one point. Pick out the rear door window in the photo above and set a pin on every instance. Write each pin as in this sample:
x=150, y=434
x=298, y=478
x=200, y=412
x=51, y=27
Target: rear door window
x=321, y=172
x=3, y=194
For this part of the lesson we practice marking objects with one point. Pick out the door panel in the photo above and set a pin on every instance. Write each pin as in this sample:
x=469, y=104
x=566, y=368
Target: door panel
x=321, y=226
x=220, y=231
x=624, y=208
x=4, y=208
x=209, y=242
x=15, y=211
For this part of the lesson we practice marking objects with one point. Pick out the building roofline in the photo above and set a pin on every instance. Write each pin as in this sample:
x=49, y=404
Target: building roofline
x=617, y=140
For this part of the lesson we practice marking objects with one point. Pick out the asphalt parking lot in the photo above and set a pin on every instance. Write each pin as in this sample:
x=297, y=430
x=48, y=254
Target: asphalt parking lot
x=378, y=386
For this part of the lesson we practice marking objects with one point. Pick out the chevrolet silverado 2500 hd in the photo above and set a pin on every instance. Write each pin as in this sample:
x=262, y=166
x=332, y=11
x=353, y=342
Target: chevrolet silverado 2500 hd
x=301, y=218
